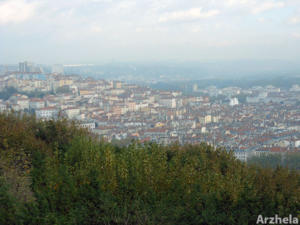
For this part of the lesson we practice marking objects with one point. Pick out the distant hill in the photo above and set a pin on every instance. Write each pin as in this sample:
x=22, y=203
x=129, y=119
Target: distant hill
x=54, y=173
x=188, y=71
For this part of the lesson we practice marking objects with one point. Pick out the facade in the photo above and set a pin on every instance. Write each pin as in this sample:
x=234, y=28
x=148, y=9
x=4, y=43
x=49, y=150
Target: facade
x=26, y=67
x=241, y=155
x=72, y=112
x=2, y=106
x=21, y=100
x=168, y=102
x=46, y=113
x=88, y=125
x=36, y=103
x=234, y=101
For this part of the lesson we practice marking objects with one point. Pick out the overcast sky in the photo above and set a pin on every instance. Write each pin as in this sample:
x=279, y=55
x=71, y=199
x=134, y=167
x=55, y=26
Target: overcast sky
x=95, y=31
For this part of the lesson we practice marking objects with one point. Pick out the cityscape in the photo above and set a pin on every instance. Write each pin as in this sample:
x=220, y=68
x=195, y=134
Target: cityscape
x=149, y=112
x=252, y=121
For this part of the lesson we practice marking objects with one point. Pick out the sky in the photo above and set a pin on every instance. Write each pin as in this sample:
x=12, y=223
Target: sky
x=96, y=31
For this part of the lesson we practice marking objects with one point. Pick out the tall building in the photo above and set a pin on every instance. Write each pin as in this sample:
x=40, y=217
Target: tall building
x=22, y=67
x=26, y=67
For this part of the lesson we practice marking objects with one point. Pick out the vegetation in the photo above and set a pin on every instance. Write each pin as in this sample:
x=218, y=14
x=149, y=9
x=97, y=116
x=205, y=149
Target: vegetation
x=54, y=173
x=10, y=91
x=63, y=89
x=289, y=160
x=7, y=93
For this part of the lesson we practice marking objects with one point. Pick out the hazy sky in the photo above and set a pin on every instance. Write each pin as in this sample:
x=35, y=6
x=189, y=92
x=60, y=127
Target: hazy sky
x=93, y=31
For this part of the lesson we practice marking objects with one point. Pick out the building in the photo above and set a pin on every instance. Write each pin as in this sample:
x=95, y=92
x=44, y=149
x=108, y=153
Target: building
x=88, y=125
x=72, y=112
x=26, y=67
x=2, y=106
x=46, y=113
x=297, y=144
x=207, y=119
x=261, y=152
x=234, y=101
x=21, y=100
x=117, y=84
x=195, y=87
x=58, y=69
x=36, y=103
x=86, y=92
x=242, y=155
x=168, y=102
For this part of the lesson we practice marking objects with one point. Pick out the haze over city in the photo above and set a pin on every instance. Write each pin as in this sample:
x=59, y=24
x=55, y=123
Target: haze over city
x=98, y=31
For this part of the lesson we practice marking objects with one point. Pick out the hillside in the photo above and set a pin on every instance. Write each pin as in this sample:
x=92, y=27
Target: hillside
x=54, y=173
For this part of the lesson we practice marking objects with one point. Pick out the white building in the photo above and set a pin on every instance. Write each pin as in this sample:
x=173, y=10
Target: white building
x=234, y=101
x=141, y=106
x=21, y=100
x=24, y=103
x=36, y=103
x=283, y=143
x=295, y=88
x=242, y=155
x=72, y=112
x=297, y=144
x=195, y=87
x=88, y=125
x=261, y=152
x=2, y=106
x=168, y=102
x=215, y=119
x=46, y=113
x=207, y=119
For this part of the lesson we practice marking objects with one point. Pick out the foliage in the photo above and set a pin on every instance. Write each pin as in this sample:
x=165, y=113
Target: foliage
x=7, y=92
x=59, y=174
x=10, y=91
x=63, y=89
x=290, y=160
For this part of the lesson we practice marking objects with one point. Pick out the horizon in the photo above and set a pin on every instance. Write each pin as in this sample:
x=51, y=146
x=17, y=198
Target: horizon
x=174, y=70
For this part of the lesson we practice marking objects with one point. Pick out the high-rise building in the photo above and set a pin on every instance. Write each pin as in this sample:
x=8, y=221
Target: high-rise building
x=22, y=67
x=26, y=67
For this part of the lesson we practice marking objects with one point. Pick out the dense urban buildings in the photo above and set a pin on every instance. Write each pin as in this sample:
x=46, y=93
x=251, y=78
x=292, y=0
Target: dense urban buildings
x=254, y=121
